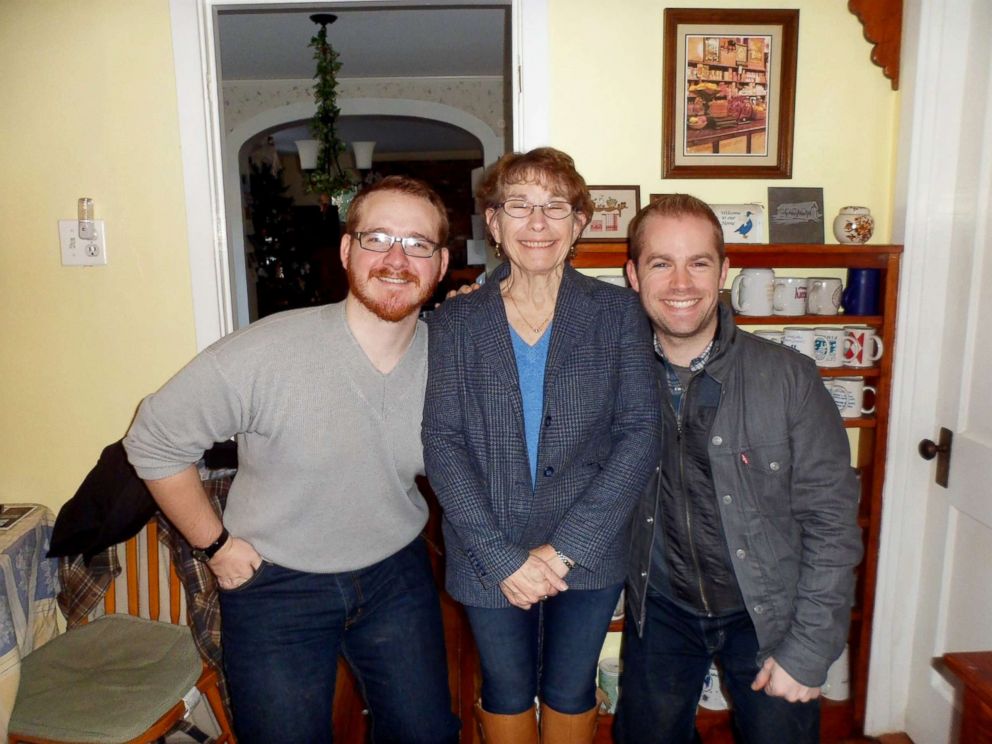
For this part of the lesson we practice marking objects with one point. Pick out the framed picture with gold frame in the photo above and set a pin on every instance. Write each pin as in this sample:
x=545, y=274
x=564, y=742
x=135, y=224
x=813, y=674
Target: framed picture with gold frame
x=729, y=93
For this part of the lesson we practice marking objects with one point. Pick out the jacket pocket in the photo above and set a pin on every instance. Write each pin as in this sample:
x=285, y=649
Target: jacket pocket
x=767, y=469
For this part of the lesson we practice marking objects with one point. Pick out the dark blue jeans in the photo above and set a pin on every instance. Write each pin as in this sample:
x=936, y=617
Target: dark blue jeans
x=282, y=633
x=552, y=649
x=663, y=673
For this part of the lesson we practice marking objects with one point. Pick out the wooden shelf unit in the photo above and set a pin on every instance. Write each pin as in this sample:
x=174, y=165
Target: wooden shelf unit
x=839, y=720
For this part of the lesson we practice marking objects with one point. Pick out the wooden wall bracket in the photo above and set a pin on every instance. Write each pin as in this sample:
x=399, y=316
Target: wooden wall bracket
x=882, y=22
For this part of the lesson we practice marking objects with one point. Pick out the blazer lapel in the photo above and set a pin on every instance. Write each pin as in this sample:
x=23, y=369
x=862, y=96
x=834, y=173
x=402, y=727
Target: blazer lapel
x=491, y=335
x=574, y=312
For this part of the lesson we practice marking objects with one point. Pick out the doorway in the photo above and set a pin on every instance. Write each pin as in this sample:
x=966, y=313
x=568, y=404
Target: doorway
x=201, y=129
x=434, y=111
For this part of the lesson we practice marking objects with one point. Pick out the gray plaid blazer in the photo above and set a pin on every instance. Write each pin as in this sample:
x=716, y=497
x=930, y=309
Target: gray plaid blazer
x=599, y=439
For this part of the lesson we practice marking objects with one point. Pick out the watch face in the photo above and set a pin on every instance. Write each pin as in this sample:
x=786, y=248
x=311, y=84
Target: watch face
x=200, y=555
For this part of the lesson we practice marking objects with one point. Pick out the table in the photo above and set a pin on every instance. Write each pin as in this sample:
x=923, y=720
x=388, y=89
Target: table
x=715, y=136
x=974, y=669
x=28, y=587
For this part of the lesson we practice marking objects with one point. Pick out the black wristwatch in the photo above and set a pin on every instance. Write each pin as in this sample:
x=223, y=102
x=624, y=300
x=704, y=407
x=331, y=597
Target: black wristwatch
x=205, y=554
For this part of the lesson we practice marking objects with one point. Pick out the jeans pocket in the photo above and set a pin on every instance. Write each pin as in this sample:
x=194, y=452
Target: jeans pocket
x=251, y=580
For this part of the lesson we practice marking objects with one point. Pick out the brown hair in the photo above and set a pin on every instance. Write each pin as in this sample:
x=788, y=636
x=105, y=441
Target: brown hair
x=402, y=185
x=673, y=205
x=553, y=169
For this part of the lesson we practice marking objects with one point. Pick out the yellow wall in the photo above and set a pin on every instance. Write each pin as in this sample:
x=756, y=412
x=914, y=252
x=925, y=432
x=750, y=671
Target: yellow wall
x=606, y=104
x=89, y=109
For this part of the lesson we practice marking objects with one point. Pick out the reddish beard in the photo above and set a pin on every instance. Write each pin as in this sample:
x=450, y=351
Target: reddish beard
x=391, y=308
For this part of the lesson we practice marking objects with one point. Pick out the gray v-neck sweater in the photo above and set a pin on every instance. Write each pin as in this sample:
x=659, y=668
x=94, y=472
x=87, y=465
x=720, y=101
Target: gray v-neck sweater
x=328, y=446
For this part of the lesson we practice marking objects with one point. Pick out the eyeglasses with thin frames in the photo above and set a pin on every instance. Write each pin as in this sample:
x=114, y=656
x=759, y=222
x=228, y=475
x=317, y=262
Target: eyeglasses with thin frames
x=554, y=210
x=380, y=242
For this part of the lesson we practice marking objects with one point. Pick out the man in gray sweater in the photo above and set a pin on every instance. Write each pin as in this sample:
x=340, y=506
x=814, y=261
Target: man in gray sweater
x=319, y=551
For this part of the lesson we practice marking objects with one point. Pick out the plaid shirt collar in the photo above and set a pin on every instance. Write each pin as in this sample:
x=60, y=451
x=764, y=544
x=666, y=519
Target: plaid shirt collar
x=674, y=383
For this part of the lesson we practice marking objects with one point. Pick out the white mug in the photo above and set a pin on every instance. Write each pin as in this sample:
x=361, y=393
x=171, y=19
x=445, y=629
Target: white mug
x=712, y=697
x=862, y=347
x=823, y=295
x=838, y=684
x=609, y=682
x=789, y=296
x=775, y=336
x=751, y=292
x=800, y=338
x=828, y=347
x=849, y=395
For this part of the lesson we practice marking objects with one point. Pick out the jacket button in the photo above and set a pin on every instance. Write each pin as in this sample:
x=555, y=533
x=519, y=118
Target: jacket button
x=727, y=498
x=547, y=421
x=649, y=520
x=774, y=466
x=741, y=553
x=644, y=574
x=549, y=471
x=759, y=609
x=717, y=440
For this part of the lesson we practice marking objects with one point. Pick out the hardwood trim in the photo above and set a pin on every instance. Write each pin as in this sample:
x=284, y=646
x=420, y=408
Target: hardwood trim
x=882, y=22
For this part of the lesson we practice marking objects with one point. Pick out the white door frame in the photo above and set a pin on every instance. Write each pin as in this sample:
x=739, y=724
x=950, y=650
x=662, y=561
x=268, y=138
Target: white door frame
x=201, y=133
x=929, y=151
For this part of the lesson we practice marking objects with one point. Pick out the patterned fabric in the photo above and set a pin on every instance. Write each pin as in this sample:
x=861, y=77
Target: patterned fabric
x=28, y=584
x=598, y=442
x=674, y=383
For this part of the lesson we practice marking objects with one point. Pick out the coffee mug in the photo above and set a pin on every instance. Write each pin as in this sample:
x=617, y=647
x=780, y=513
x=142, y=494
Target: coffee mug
x=789, y=296
x=828, y=346
x=838, y=684
x=609, y=682
x=862, y=347
x=823, y=295
x=799, y=338
x=861, y=294
x=775, y=336
x=849, y=395
x=712, y=697
x=751, y=292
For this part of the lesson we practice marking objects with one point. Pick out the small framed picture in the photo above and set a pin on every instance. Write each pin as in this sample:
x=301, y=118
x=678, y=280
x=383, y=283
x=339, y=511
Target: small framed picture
x=613, y=209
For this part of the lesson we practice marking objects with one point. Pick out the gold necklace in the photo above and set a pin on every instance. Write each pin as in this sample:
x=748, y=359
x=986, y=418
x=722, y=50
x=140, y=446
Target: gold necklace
x=534, y=328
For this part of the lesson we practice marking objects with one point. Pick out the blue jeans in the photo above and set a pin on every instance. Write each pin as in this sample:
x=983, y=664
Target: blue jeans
x=552, y=649
x=282, y=633
x=663, y=675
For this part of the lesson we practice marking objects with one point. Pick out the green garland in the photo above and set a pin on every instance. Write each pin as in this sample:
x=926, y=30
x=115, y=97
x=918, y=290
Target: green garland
x=328, y=177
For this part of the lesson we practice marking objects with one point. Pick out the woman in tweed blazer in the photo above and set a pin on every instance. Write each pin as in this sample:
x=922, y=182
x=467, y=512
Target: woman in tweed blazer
x=540, y=429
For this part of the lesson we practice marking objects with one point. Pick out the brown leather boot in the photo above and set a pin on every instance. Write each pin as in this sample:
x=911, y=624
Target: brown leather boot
x=562, y=728
x=519, y=728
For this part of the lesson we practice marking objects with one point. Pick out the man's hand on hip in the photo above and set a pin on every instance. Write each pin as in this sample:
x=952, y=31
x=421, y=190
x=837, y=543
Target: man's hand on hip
x=234, y=563
x=777, y=682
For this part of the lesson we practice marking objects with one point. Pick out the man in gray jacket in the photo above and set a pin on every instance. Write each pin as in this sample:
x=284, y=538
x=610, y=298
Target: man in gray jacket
x=319, y=550
x=745, y=543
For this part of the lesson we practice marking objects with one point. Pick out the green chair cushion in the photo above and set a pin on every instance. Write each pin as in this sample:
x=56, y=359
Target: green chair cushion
x=105, y=682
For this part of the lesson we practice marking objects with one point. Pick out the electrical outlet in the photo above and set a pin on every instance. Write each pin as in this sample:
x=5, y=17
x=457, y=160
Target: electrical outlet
x=77, y=251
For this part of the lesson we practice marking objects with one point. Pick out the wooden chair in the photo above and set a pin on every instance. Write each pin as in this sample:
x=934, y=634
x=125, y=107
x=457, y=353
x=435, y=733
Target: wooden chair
x=121, y=678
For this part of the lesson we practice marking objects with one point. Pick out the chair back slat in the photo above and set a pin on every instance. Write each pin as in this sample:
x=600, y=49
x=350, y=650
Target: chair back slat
x=175, y=594
x=151, y=551
x=110, y=599
x=133, y=597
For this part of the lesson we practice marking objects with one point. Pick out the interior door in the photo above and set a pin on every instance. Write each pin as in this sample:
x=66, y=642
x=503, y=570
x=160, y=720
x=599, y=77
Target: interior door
x=955, y=595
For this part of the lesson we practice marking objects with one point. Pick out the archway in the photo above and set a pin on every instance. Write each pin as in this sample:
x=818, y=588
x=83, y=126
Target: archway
x=492, y=148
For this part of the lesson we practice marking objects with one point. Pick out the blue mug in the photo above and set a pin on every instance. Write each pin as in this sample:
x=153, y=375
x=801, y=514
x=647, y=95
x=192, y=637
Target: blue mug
x=861, y=293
